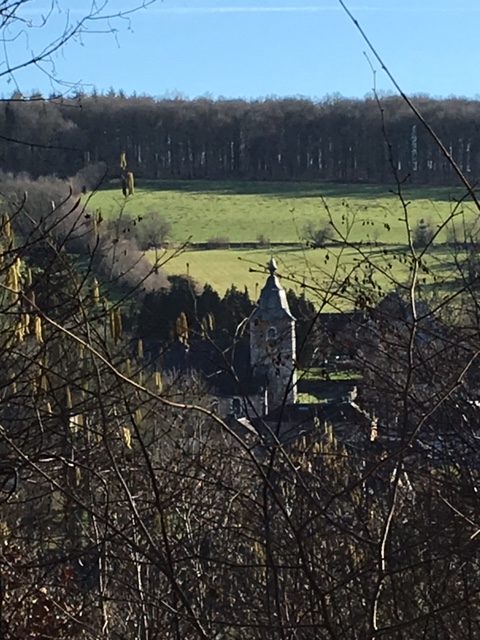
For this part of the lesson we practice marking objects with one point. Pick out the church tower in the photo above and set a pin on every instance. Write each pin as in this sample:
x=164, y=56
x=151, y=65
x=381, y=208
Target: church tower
x=272, y=343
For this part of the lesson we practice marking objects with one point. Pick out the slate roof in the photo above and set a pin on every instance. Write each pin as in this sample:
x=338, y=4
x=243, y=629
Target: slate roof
x=350, y=423
x=227, y=371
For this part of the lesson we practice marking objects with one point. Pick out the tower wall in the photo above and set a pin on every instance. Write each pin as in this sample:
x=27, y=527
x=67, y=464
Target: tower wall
x=272, y=355
x=272, y=343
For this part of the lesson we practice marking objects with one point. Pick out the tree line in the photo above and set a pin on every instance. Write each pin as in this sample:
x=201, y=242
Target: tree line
x=337, y=139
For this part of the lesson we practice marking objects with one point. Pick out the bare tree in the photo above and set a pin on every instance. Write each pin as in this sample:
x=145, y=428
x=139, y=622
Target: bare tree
x=128, y=508
x=59, y=25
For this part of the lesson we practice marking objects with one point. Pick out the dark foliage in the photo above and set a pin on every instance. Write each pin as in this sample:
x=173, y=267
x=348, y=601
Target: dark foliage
x=334, y=139
x=204, y=310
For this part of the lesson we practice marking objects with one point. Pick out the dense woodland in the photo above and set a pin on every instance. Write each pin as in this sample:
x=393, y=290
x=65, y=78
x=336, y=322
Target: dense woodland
x=334, y=139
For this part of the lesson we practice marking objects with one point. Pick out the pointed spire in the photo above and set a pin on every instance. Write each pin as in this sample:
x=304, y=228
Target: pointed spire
x=273, y=302
x=272, y=266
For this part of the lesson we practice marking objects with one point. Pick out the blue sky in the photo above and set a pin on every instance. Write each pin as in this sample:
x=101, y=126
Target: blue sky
x=253, y=49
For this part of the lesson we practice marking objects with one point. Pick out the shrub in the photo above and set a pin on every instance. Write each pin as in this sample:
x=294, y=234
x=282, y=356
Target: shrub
x=263, y=241
x=219, y=242
x=423, y=234
x=317, y=236
x=90, y=177
x=46, y=203
x=150, y=230
x=120, y=262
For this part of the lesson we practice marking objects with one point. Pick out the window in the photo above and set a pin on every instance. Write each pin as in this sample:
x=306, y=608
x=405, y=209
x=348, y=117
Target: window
x=236, y=407
x=272, y=333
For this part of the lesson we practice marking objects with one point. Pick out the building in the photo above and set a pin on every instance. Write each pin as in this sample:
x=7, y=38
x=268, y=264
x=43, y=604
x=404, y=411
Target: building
x=272, y=344
x=252, y=381
x=256, y=373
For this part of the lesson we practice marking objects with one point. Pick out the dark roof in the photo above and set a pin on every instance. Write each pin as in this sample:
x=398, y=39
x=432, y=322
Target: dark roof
x=227, y=371
x=338, y=321
x=290, y=422
x=393, y=306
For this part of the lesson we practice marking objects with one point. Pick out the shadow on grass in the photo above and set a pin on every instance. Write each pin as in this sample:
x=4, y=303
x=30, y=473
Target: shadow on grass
x=297, y=189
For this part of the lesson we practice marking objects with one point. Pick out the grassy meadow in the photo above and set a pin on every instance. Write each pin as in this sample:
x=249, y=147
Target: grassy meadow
x=311, y=270
x=199, y=211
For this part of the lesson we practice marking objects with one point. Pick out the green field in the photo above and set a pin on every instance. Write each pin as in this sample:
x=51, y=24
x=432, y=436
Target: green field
x=310, y=270
x=245, y=211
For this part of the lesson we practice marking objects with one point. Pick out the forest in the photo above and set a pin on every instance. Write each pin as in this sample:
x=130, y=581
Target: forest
x=333, y=139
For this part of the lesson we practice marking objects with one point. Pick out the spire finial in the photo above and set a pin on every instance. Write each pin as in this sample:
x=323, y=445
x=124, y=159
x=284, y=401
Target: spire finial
x=272, y=266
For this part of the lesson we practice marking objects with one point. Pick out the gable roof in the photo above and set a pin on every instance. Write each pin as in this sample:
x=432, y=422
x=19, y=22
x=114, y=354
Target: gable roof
x=227, y=371
x=350, y=423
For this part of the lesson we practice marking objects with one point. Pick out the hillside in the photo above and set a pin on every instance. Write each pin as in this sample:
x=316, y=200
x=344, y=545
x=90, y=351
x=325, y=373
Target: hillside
x=228, y=228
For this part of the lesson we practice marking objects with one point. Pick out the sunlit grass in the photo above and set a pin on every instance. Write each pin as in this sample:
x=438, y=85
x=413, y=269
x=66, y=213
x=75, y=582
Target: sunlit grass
x=376, y=257
x=317, y=272
x=244, y=211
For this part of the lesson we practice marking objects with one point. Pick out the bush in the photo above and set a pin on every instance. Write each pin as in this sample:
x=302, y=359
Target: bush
x=46, y=203
x=317, y=236
x=151, y=230
x=423, y=234
x=263, y=241
x=219, y=242
x=90, y=177
x=120, y=262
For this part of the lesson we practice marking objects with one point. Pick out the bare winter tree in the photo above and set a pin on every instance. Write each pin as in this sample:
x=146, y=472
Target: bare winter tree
x=130, y=509
x=54, y=24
